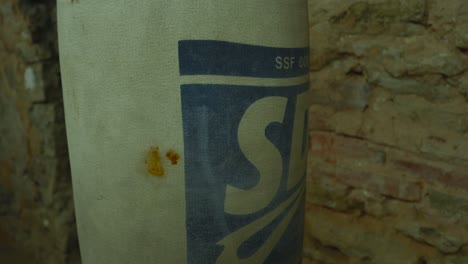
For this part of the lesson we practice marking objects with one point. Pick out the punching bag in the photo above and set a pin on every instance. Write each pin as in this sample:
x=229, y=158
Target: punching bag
x=186, y=124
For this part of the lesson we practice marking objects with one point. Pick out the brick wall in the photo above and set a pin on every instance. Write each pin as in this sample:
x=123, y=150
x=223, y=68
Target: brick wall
x=36, y=210
x=388, y=175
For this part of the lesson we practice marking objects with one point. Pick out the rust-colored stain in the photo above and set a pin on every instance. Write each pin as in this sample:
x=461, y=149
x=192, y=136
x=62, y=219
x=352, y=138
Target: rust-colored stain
x=173, y=157
x=153, y=162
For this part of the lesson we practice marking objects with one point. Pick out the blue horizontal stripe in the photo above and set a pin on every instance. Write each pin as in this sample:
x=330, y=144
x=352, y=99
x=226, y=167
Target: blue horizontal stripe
x=210, y=57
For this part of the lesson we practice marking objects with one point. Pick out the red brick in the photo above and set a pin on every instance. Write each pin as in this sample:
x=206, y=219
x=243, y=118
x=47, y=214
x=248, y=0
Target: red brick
x=320, y=117
x=359, y=164
x=323, y=145
x=392, y=187
x=364, y=236
x=331, y=147
x=455, y=177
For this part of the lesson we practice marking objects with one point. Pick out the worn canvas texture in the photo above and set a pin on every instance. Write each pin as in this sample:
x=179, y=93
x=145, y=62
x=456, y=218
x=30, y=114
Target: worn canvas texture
x=186, y=125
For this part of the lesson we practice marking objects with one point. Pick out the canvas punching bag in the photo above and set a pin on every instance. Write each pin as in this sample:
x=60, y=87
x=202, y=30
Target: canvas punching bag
x=187, y=128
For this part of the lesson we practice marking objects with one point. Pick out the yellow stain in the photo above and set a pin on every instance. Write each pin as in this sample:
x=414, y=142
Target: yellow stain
x=153, y=162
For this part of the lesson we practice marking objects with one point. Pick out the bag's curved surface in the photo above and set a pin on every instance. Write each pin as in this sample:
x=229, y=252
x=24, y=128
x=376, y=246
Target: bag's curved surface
x=186, y=125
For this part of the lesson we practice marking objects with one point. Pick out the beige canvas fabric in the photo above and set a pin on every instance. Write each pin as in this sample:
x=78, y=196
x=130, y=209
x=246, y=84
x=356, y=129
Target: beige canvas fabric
x=122, y=92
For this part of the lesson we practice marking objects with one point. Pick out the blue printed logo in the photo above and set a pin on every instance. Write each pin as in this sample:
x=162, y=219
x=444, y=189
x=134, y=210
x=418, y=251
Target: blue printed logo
x=245, y=155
